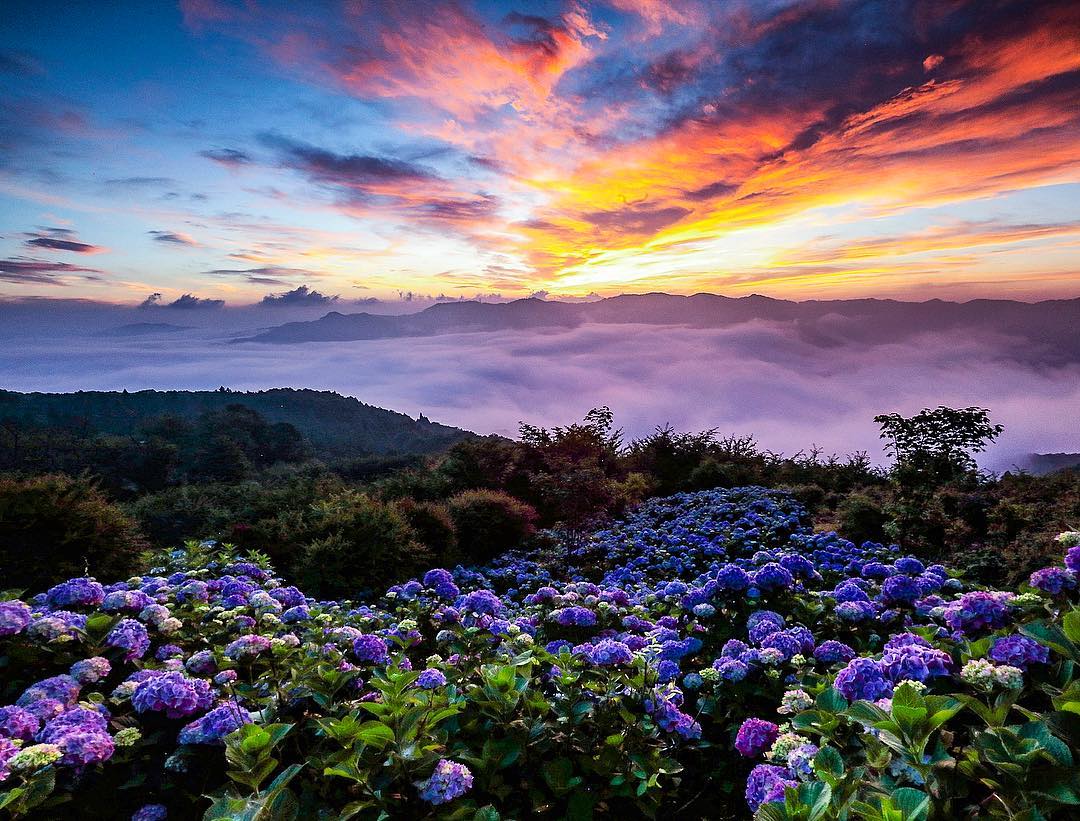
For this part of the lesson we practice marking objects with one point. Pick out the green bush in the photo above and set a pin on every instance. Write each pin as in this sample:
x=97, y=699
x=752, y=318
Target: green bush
x=489, y=522
x=55, y=527
x=434, y=528
x=359, y=543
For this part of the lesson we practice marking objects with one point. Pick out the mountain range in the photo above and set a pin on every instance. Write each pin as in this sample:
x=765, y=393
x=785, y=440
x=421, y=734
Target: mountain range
x=824, y=323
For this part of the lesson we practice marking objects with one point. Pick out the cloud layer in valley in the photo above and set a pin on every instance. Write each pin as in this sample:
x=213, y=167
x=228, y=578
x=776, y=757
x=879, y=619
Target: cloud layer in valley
x=763, y=378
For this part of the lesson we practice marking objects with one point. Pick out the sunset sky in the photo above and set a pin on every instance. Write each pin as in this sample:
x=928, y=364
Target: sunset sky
x=807, y=149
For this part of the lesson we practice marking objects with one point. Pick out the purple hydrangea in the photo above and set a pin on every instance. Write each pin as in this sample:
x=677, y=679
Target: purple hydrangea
x=763, y=623
x=215, y=725
x=900, y=589
x=299, y=613
x=151, y=812
x=916, y=663
x=1053, y=580
x=431, y=679
x=15, y=722
x=202, y=663
x=1019, y=651
x=449, y=780
x=75, y=593
x=610, y=653
x=288, y=596
x=849, y=591
x=909, y=565
x=84, y=748
x=671, y=719
x=832, y=651
x=979, y=610
x=75, y=720
x=574, y=617
x=174, y=694
x=247, y=647
x=773, y=577
x=766, y=783
x=732, y=577
x=731, y=669
x=855, y=611
x=482, y=601
x=131, y=637
x=62, y=688
x=14, y=617
x=863, y=678
x=371, y=648
x=91, y=670
x=755, y=736
x=1072, y=559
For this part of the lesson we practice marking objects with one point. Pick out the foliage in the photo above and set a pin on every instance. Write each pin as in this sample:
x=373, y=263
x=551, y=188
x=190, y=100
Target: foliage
x=357, y=540
x=55, y=527
x=488, y=522
x=717, y=631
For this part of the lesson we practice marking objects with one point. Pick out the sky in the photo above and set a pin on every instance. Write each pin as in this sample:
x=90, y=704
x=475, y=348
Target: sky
x=383, y=151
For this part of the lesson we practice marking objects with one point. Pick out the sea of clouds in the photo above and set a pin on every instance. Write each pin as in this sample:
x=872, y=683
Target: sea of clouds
x=759, y=378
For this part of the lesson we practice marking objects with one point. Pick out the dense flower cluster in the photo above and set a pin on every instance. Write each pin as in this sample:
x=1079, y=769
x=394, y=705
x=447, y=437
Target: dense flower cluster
x=656, y=636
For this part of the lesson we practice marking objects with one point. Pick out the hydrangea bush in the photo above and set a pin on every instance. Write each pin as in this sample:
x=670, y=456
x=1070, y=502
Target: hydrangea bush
x=707, y=657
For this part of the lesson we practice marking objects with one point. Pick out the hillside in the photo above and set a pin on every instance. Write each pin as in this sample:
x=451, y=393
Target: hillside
x=333, y=424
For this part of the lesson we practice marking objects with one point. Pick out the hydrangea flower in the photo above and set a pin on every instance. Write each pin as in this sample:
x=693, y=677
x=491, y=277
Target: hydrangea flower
x=91, y=670
x=1019, y=651
x=431, y=679
x=75, y=593
x=371, y=648
x=14, y=617
x=864, y=679
x=766, y=783
x=755, y=736
x=174, y=694
x=247, y=647
x=215, y=725
x=449, y=780
x=1053, y=580
x=978, y=610
x=130, y=636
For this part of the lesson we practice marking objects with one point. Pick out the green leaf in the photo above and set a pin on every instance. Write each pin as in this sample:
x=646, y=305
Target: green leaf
x=557, y=774
x=828, y=760
x=1071, y=625
x=830, y=701
x=914, y=804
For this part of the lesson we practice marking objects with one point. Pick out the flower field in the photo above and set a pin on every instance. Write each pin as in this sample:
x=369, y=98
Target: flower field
x=707, y=657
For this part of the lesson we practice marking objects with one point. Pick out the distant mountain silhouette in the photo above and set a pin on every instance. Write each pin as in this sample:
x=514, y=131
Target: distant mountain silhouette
x=1051, y=324
x=1042, y=463
x=335, y=425
x=144, y=329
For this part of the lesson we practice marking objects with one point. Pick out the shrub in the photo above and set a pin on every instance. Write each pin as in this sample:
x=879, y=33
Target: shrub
x=489, y=522
x=358, y=544
x=434, y=528
x=55, y=527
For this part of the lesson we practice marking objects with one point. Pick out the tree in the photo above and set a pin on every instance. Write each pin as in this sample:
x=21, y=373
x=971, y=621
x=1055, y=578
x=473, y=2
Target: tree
x=939, y=443
x=54, y=527
x=489, y=522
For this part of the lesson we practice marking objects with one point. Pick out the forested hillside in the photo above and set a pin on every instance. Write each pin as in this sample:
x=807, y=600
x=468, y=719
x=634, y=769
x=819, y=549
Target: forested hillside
x=333, y=424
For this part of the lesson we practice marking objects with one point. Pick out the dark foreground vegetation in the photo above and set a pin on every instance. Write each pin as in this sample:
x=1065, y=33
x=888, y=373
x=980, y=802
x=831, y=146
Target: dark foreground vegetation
x=77, y=495
x=664, y=627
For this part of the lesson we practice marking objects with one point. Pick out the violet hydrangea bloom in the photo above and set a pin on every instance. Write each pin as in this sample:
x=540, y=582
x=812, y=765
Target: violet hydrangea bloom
x=16, y=722
x=431, y=679
x=609, y=653
x=482, y=601
x=131, y=636
x=151, y=812
x=174, y=694
x=14, y=617
x=1053, y=580
x=863, y=678
x=1019, y=651
x=1072, y=559
x=832, y=651
x=75, y=593
x=371, y=648
x=755, y=736
x=215, y=725
x=978, y=610
x=247, y=647
x=91, y=670
x=765, y=783
x=448, y=781
x=763, y=623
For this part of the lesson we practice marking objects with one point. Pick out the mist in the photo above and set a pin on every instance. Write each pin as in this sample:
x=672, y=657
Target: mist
x=762, y=378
